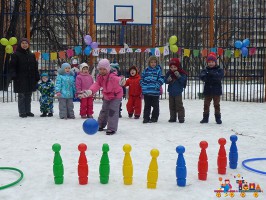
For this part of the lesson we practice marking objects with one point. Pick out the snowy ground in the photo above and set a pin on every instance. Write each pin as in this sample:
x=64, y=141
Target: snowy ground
x=26, y=144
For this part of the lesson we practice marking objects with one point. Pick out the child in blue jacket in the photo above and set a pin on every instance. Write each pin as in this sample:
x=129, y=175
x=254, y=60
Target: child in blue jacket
x=151, y=81
x=65, y=91
x=176, y=79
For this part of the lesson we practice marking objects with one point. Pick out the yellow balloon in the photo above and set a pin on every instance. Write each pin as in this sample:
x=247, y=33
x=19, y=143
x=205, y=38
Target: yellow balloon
x=173, y=40
x=13, y=41
x=174, y=48
x=9, y=49
x=4, y=41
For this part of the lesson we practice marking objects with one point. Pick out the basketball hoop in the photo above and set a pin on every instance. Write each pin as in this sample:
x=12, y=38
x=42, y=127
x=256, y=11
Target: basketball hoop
x=124, y=21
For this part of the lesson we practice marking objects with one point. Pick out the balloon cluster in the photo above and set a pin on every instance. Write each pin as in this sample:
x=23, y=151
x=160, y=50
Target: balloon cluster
x=172, y=42
x=8, y=44
x=243, y=46
x=91, y=45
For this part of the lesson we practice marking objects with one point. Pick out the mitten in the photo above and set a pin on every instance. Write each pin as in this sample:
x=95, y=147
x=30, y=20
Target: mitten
x=87, y=93
x=169, y=79
x=122, y=81
x=177, y=74
x=80, y=95
x=58, y=94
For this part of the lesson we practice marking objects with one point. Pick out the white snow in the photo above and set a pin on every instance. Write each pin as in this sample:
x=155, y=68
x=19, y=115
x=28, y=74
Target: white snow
x=27, y=144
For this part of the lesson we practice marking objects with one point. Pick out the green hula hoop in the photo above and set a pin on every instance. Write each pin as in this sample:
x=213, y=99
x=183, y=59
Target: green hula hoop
x=15, y=182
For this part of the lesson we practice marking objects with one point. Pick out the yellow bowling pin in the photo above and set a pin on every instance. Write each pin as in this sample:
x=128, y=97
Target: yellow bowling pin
x=127, y=165
x=152, y=175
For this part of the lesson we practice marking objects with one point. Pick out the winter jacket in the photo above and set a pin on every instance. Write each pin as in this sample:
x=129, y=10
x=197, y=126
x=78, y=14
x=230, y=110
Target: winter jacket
x=134, y=85
x=176, y=85
x=110, y=86
x=65, y=84
x=151, y=81
x=47, y=91
x=83, y=82
x=24, y=71
x=212, y=78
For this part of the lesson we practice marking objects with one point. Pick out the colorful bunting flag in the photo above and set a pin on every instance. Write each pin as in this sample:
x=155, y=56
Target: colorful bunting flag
x=122, y=51
x=70, y=53
x=237, y=53
x=45, y=56
x=129, y=50
x=37, y=55
x=53, y=56
x=204, y=52
x=252, y=51
x=113, y=51
x=186, y=52
x=166, y=50
x=95, y=52
x=161, y=49
x=228, y=53
x=157, y=52
x=220, y=51
x=103, y=50
x=196, y=53
x=214, y=50
x=62, y=55
x=78, y=50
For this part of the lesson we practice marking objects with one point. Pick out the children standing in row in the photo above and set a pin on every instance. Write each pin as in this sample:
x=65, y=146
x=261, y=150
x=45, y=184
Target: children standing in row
x=176, y=79
x=65, y=90
x=151, y=81
x=212, y=76
x=83, y=82
x=112, y=96
x=46, y=88
x=135, y=92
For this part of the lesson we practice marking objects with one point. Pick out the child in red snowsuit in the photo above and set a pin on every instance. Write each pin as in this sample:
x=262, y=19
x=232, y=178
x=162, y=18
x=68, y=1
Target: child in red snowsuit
x=83, y=82
x=134, y=100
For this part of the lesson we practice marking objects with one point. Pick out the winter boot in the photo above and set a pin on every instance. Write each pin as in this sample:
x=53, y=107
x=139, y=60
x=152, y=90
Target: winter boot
x=218, y=118
x=205, y=118
x=44, y=114
x=50, y=115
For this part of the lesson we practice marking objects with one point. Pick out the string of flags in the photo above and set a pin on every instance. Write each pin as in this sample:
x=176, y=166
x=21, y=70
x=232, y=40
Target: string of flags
x=157, y=51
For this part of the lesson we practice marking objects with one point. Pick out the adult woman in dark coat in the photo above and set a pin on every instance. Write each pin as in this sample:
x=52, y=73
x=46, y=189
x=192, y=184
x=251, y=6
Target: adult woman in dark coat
x=24, y=72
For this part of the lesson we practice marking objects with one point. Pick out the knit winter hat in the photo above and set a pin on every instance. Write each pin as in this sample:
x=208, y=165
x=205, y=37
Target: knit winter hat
x=211, y=57
x=61, y=70
x=44, y=74
x=24, y=39
x=104, y=63
x=114, y=65
x=82, y=65
x=174, y=61
x=152, y=58
x=133, y=68
x=65, y=65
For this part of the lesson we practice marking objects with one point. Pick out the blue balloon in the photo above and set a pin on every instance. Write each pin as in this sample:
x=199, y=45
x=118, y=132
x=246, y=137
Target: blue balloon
x=87, y=50
x=244, y=51
x=238, y=44
x=90, y=126
x=246, y=42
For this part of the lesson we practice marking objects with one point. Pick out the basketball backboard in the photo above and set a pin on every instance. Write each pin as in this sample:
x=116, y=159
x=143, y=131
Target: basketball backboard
x=112, y=11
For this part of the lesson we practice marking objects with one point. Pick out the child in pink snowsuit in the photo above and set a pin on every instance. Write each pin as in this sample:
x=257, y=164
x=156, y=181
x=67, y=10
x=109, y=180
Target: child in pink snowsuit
x=112, y=96
x=83, y=82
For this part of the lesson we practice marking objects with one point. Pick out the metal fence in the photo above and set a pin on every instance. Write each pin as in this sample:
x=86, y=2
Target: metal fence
x=60, y=25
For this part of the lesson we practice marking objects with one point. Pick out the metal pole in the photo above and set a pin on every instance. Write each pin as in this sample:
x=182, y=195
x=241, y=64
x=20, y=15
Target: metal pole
x=211, y=33
x=28, y=19
x=92, y=27
x=153, y=22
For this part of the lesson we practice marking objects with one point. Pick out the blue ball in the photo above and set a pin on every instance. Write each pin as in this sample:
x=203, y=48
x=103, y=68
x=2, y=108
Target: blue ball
x=90, y=126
